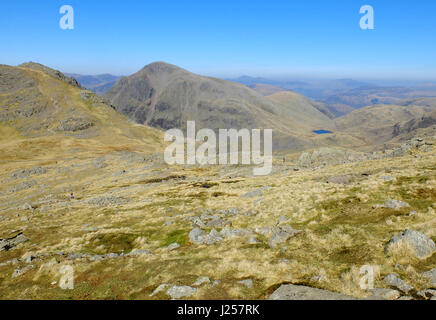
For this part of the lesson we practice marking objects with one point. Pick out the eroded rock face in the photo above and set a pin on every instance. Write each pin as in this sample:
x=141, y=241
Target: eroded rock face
x=294, y=292
x=75, y=124
x=412, y=242
x=7, y=244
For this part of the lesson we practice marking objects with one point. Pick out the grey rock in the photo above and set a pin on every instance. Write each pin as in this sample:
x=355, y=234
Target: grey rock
x=231, y=233
x=431, y=276
x=7, y=244
x=197, y=236
x=139, y=252
x=247, y=282
x=22, y=186
x=217, y=222
x=419, y=244
x=426, y=294
x=173, y=246
x=395, y=204
x=255, y=193
x=388, y=294
x=213, y=237
x=97, y=257
x=252, y=240
x=295, y=292
x=281, y=235
x=74, y=256
x=341, y=179
x=201, y=280
x=20, y=271
x=177, y=292
x=394, y=281
x=27, y=206
x=161, y=288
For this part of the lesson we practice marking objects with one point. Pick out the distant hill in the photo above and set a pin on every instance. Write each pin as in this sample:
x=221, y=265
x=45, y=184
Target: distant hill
x=43, y=106
x=165, y=96
x=97, y=83
x=381, y=124
x=342, y=96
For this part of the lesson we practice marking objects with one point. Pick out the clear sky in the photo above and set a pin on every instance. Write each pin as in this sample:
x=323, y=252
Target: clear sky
x=311, y=38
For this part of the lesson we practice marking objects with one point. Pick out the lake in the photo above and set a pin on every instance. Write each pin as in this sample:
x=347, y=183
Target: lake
x=321, y=131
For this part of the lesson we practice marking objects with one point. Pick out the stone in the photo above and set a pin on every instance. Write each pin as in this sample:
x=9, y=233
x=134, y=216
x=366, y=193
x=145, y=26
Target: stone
x=213, y=237
x=217, y=222
x=252, y=240
x=177, y=292
x=247, y=282
x=27, y=206
x=201, y=280
x=426, y=294
x=296, y=292
x=161, y=288
x=255, y=193
x=395, y=204
x=20, y=271
x=197, y=236
x=7, y=244
x=394, y=281
x=173, y=246
x=431, y=276
x=341, y=179
x=388, y=294
x=139, y=252
x=281, y=235
x=414, y=242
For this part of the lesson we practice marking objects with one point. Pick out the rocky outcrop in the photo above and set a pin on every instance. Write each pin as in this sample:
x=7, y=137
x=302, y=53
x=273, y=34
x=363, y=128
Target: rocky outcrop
x=411, y=242
x=295, y=292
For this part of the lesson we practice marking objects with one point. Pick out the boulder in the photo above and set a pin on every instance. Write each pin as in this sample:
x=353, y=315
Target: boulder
x=281, y=235
x=394, y=281
x=431, y=276
x=413, y=242
x=295, y=292
x=177, y=292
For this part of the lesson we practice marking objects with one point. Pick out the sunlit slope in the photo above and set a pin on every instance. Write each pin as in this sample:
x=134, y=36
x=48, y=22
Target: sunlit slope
x=39, y=107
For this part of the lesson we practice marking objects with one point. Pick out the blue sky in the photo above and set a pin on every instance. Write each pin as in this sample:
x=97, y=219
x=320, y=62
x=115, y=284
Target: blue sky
x=289, y=38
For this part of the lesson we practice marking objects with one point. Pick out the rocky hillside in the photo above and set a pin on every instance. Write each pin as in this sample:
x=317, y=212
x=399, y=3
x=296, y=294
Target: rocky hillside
x=382, y=124
x=37, y=102
x=165, y=96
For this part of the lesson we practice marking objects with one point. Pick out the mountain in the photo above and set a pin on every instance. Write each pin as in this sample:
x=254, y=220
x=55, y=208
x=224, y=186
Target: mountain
x=97, y=83
x=41, y=106
x=265, y=89
x=165, y=96
x=381, y=124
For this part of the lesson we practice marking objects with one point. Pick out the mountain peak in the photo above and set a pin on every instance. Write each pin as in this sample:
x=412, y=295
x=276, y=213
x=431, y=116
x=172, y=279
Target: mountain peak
x=159, y=66
x=51, y=72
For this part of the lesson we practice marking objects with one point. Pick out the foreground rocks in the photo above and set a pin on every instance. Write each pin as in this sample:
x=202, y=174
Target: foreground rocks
x=411, y=242
x=395, y=281
x=295, y=292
